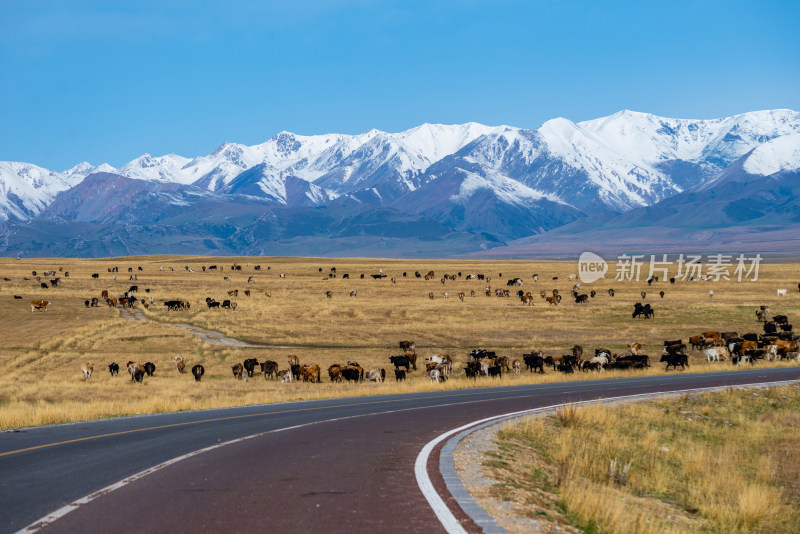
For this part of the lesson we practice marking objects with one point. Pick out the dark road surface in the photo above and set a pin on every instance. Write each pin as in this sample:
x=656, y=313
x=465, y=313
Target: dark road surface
x=347, y=465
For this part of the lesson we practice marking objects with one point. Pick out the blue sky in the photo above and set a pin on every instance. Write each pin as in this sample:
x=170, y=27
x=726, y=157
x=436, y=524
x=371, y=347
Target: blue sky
x=107, y=81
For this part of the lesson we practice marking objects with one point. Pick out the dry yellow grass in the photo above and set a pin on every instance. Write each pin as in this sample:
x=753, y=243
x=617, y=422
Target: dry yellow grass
x=704, y=463
x=41, y=353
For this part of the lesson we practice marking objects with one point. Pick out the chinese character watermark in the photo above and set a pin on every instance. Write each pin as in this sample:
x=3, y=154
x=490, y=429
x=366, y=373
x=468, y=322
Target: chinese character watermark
x=686, y=267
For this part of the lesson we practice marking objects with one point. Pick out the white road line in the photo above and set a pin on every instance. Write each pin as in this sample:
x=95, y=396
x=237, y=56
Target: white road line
x=443, y=512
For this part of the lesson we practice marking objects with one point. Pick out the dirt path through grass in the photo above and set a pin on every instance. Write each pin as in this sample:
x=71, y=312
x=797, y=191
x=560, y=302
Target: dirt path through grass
x=211, y=337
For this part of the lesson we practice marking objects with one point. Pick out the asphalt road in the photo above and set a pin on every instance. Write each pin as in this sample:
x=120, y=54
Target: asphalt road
x=341, y=465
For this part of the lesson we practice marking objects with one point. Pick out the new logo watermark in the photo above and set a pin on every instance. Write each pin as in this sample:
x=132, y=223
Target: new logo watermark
x=688, y=267
x=591, y=267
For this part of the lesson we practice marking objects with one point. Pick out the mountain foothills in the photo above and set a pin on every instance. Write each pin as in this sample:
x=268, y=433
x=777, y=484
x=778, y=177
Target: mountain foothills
x=627, y=180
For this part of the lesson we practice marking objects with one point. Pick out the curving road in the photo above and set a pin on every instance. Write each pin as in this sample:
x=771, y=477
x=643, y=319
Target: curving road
x=342, y=465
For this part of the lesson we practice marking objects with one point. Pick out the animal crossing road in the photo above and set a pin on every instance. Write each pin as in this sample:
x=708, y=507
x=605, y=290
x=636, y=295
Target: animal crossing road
x=339, y=465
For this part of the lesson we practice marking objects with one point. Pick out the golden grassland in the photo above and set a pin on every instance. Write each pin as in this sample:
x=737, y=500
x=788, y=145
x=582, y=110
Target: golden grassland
x=718, y=462
x=41, y=353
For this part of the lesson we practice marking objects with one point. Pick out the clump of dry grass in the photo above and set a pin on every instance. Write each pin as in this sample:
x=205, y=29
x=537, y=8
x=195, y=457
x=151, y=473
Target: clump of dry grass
x=697, y=463
x=41, y=353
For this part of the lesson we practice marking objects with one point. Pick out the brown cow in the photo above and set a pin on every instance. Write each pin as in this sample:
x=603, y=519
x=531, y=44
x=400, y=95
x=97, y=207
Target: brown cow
x=293, y=360
x=635, y=348
x=238, y=371
x=335, y=372
x=39, y=305
x=87, y=368
x=310, y=373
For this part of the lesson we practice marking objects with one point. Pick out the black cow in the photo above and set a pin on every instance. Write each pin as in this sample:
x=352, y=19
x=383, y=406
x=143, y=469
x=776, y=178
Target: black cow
x=44, y=285
x=350, y=374
x=640, y=361
x=770, y=328
x=198, y=371
x=674, y=359
x=149, y=368
x=250, y=365
x=96, y=275
x=780, y=319
x=226, y=304
x=138, y=375
x=401, y=361
x=113, y=368
x=533, y=362
x=496, y=370
x=582, y=298
x=565, y=368
x=269, y=368
x=295, y=371
x=399, y=375
x=133, y=289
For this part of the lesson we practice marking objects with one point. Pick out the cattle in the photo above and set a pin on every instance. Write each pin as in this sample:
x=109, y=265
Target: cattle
x=770, y=327
x=247, y=292
x=611, y=293
x=269, y=368
x=87, y=368
x=295, y=369
x=293, y=360
x=582, y=299
x=55, y=281
x=430, y=295
x=592, y=293
x=502, y=361
x=401, y=361
x=233, y=293
x=133, y=369
x=554, y=299
x=716, y=354
x=96, y=276
x=534, y=362
x=133, y=289
x=39, y=305
x=138, y=375
x=174, y=305
x=329, y=294
x=86, y=303
x=461, y=296
x=376, y=375
x=674, y=360
x=564, y=368
x=412, y=358
x=149, y=368
x=661, y=294
x=436, y=376
x=310, y=373
x=354, y=293
x=780, y=319
x=268, y=293
x=635, y=348
x=198, y=371
x=238, y=371
x=399, y=375
x=644, y=294
x=781, y=292
x=378, y=276
x=226, y=304
x=250, y=365
x=697, y=342
x=285, y=375
x=351, y=374
x=113, y=368
x=516, y=366
x=335, y=372
x=112, y=302
x=407, y=346
x=104, y=294
x=93, y=303
x=180, y=365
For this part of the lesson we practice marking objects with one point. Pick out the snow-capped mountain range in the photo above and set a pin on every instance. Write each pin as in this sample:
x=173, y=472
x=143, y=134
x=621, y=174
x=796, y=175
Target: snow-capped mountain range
x=467, y=176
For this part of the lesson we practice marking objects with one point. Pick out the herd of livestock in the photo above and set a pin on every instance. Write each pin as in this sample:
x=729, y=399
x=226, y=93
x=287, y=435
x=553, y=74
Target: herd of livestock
x=776, y=342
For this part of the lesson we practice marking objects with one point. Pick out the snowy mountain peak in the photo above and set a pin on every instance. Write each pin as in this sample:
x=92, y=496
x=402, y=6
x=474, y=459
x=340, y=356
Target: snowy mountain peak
x=776, y=155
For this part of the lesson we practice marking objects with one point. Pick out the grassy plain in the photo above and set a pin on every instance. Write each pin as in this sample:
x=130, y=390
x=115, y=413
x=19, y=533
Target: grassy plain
x=717, y=462
x=41, y=353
